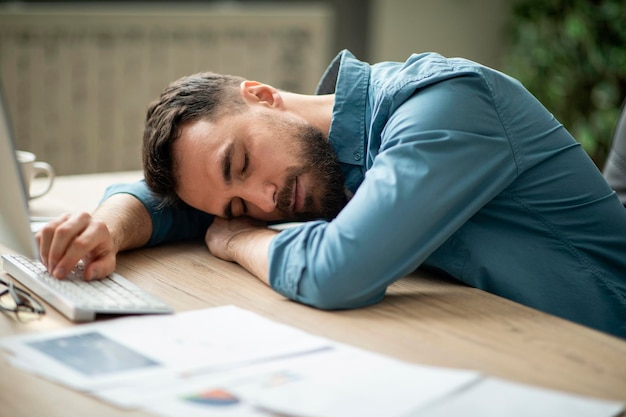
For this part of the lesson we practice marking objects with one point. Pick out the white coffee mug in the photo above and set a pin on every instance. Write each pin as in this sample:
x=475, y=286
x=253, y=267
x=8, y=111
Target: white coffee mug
x=31, y=168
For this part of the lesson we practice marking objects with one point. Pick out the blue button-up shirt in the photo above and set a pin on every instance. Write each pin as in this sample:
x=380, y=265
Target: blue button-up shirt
x=457, y=167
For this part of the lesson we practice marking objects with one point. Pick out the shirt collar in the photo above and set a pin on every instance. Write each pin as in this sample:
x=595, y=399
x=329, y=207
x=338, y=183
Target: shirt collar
x=348, y=79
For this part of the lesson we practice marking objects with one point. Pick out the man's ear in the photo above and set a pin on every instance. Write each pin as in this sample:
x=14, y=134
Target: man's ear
x=253, y=92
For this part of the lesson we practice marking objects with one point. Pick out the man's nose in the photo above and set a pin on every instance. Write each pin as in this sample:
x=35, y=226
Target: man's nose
x=263, y=196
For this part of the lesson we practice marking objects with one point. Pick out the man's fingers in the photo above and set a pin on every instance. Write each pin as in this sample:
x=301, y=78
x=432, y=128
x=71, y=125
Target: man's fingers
x=100, y=268
x=90, y=243
x=63, y=242
x=45, y=235
x=64, y=239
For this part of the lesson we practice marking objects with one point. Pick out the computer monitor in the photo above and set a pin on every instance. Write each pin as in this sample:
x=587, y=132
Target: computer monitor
x=15, y=232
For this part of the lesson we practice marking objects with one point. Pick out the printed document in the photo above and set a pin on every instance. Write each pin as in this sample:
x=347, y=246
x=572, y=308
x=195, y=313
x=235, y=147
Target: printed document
x=226, y=361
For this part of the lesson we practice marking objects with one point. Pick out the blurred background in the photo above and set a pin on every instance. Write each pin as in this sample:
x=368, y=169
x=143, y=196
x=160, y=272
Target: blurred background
x=77, y=76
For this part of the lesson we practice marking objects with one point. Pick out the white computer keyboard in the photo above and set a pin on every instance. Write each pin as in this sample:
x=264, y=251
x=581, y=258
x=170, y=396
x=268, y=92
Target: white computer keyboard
x=81, y=300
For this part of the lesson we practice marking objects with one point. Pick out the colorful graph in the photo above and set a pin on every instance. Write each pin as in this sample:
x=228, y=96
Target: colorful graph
x=214, y=397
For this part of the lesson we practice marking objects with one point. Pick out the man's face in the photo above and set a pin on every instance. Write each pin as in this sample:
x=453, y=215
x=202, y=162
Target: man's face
x=261, y=163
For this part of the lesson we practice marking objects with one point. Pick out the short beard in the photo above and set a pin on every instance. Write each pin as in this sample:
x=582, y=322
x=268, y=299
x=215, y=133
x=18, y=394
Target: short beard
x=321, y=163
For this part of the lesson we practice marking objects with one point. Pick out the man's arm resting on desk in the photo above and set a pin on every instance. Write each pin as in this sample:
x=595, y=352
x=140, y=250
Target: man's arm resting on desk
x=244, y=241
x=121, y=222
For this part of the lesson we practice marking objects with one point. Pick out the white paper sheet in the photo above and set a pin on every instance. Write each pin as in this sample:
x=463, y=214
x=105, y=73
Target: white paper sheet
x=128, y=350
x=231, y=362
x=350, y=382
x=200, y=395
x=492, y=397
x=337, y=382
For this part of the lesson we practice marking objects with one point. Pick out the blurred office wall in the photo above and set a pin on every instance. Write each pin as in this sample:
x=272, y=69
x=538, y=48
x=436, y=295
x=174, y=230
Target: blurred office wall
x=473, y=29
x=78, y=78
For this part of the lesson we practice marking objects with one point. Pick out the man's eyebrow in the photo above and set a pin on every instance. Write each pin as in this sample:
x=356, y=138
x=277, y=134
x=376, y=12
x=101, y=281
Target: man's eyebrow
x=227, y=157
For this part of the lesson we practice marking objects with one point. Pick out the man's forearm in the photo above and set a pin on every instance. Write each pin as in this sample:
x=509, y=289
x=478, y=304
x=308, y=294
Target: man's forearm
x=250, y=250
x=242, y=241
x=127, y=219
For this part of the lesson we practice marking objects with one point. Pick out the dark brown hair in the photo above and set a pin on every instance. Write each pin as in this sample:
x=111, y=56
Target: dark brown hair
x=195, y=97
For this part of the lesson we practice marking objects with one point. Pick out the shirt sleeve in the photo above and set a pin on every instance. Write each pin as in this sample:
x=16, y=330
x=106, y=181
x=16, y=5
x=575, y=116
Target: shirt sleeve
x=169, y=224
x=444, y=154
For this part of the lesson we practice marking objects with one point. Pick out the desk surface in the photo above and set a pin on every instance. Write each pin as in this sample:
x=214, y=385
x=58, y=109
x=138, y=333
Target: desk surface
x=425, y=319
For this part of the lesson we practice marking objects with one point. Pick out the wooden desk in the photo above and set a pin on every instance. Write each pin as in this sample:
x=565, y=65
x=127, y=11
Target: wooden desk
x=424, y=319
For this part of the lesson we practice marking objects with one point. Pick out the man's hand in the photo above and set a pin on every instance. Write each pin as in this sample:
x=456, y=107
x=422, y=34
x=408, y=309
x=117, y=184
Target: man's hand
x=65, y=241
x=242, y=240
x=121, y=222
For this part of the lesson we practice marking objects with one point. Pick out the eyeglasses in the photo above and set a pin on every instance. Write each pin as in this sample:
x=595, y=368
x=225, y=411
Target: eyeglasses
x=19, y=304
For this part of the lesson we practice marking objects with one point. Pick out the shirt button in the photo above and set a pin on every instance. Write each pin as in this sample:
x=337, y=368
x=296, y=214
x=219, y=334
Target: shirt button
x=357, y=156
